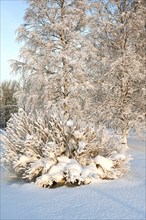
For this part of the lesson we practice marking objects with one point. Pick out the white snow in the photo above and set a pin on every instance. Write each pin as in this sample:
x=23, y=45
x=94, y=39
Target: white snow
x=44, y=180
x=105, y=163
x=78, y=134
x=70, y=123
x=74, y=165
x=23, y=160
x=73, y=171
x=63, y=159
x=89, y=173
x=56, y=172
x=121, y=199
x=119, y=156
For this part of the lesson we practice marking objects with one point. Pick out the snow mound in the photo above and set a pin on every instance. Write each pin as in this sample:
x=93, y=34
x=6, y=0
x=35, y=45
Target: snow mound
x=73, y=171
x=44, y=181
x=89, y=173
x=105, y=163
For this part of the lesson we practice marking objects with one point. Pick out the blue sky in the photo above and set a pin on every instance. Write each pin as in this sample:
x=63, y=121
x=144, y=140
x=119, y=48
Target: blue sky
x=12, y=12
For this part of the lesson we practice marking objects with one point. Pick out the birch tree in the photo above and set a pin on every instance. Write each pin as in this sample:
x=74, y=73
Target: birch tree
x=54, y=56
x=119, y=38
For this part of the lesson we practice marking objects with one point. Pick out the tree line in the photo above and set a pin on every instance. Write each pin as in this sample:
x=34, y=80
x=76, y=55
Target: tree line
x=8, y=101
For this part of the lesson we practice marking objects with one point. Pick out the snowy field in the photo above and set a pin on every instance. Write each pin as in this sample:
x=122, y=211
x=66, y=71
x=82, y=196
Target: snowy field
x=115, y=199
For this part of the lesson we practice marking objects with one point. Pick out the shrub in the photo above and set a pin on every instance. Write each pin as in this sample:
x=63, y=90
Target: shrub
x=56, y=149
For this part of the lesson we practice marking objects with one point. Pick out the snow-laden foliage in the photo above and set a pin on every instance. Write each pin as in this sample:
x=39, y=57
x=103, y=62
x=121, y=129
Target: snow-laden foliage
x=54, y=55
x=57, y=149
x=120, y=40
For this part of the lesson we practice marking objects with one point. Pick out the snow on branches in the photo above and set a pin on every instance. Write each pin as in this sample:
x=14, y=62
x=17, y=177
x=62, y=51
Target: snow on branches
x=55, y=149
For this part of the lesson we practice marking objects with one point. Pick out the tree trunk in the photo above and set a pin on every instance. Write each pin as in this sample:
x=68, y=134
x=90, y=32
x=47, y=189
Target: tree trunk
x=124, y=136
x=64, y=62
x=123, y=119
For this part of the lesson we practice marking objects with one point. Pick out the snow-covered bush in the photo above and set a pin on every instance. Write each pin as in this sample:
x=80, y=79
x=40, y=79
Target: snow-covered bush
x=57, y=149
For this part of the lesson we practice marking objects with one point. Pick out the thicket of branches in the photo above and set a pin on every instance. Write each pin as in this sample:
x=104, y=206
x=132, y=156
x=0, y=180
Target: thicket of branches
x=55, y=150
x=8, y=101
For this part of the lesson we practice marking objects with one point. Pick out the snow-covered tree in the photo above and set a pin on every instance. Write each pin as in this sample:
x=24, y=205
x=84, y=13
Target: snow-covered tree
x=54, y=55
x=119, y=39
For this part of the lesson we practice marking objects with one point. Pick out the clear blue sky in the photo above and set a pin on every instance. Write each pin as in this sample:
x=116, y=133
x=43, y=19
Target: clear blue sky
x=12, y=12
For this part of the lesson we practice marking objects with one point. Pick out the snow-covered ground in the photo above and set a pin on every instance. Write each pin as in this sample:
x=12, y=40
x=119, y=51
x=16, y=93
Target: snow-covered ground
x=115, y=199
